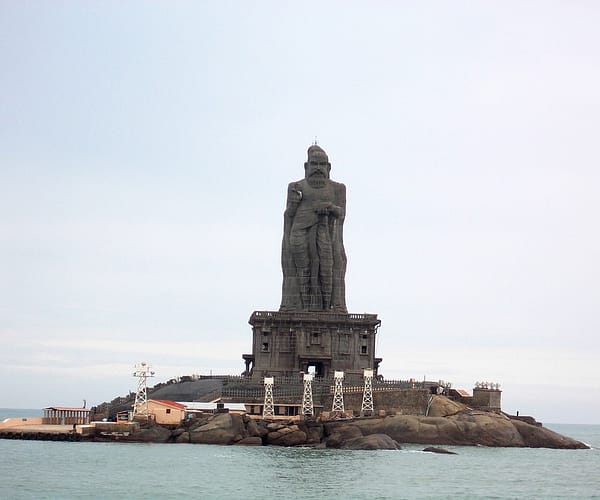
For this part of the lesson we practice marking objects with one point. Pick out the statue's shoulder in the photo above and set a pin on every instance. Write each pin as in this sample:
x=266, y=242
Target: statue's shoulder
x=339, y=187
x=297, y=184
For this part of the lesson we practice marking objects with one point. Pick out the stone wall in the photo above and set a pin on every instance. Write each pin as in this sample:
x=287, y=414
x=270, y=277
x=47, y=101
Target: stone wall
x=287, y=343
x=488, y=399
x=394, y=402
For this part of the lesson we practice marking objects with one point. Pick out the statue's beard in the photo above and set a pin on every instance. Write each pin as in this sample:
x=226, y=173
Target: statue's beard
x=317, y=180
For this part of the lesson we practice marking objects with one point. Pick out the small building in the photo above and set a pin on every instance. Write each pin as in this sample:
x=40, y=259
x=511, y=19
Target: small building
x=59, y=415
x=166, y=412
x=281, y=410
x=213, y=407
x=487, y=398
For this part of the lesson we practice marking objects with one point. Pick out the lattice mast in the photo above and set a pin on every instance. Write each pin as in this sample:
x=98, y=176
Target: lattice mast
x=307, y=399
x=268, y=410
x=367, y=402
x=142, y=371
x=338, y=392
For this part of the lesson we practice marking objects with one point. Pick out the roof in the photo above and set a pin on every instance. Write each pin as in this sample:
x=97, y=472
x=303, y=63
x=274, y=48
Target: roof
x=166, y=402
x=197, y=405
x=66, y=408
x=463, y=393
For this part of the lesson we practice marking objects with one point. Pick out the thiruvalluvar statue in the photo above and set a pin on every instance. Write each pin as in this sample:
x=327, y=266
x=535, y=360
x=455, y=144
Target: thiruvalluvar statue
x=312, y=255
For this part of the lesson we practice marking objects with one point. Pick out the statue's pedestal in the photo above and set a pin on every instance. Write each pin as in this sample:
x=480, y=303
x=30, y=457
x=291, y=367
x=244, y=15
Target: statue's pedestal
x=286, y=343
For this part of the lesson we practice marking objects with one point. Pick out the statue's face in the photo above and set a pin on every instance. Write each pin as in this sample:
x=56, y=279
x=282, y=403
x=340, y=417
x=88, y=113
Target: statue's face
x=317, y=167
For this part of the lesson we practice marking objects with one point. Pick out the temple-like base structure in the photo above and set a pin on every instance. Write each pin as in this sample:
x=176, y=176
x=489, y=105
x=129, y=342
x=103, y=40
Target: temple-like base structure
x=287, y=343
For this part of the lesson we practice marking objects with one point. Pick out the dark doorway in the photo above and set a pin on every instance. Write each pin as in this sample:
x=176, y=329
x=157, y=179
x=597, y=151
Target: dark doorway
x=316, y=368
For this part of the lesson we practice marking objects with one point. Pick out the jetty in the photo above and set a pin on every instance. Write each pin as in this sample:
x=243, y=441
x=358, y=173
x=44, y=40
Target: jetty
x=58, y=424
x=41, y=432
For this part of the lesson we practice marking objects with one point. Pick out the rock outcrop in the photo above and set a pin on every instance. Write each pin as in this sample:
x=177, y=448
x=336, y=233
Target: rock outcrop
x=371, y=442
x=153, y=434
x=462, y=427
x=222, y=428
x=351, y=437
x=441, y=451
x=465, y=428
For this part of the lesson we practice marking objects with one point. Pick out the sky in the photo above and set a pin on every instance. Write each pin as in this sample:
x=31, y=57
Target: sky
x=145, y=151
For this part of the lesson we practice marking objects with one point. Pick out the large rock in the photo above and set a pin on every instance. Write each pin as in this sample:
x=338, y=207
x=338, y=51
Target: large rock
x=371, y=442
x=287, y=437
x=466, y=428
x=151, y=434
x=540, y=437
x=222, y=428
x=256, y=430
x=442, y=451
x=341, y=434
x=443, y=407
x=184, y=437
x=314, y=434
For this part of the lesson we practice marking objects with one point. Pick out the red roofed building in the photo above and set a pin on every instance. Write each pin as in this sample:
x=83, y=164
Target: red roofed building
x=166, y=412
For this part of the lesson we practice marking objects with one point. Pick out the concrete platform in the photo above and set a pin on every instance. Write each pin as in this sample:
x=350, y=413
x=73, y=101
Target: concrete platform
x=46, y=432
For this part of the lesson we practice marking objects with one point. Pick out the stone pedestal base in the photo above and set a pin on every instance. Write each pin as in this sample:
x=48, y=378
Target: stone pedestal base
x=287, y=343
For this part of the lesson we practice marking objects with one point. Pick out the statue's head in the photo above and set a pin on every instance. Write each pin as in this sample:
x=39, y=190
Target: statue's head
x=317, y=167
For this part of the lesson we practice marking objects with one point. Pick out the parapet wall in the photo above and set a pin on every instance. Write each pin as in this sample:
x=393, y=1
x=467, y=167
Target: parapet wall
x=397, y=401
x=393, y=400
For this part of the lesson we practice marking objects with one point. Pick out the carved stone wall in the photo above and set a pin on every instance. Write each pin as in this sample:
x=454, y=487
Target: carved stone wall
x=287, y=343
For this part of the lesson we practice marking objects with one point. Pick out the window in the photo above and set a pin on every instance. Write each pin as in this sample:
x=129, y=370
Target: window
x=168, y=410
x=315, y=337
x=364, y=344
x=265, y=341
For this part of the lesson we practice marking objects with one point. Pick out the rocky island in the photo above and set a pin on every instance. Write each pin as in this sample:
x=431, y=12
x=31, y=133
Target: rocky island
x=464, y=428
x=312, y=355
x=307, y=357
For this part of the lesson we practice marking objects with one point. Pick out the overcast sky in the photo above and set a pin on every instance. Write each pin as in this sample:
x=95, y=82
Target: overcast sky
x=145, y=151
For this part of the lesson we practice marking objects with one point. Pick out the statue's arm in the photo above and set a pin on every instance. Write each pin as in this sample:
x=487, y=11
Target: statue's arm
x=294, y=197
x=341, y=202
x=338, y=207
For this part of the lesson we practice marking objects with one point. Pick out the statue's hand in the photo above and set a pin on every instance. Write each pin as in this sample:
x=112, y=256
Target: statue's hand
x=324, y=209
x=329, y=209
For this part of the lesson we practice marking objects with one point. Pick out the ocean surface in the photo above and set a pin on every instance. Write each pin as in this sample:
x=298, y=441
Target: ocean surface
x=49, y=469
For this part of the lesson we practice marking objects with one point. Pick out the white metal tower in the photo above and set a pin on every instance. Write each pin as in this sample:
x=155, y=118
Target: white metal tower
x=338, y=392
x=142, y=371
x=307, y=399
x=367, y=402
x=268, y=410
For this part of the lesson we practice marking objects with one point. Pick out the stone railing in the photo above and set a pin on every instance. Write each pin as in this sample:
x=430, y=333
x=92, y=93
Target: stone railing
x=289, y=387
x=312, y=316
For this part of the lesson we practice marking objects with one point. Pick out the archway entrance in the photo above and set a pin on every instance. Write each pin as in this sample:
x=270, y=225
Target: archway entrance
x=318, y=367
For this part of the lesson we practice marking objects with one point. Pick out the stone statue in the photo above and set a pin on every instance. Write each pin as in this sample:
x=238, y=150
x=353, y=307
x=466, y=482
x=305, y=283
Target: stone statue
x=312, y=256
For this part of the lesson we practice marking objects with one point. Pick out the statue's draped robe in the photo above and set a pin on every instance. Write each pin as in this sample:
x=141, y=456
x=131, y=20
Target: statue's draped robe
x=321, y=232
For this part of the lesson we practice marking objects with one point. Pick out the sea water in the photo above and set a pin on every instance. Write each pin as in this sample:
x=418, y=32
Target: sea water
x=50, y=469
